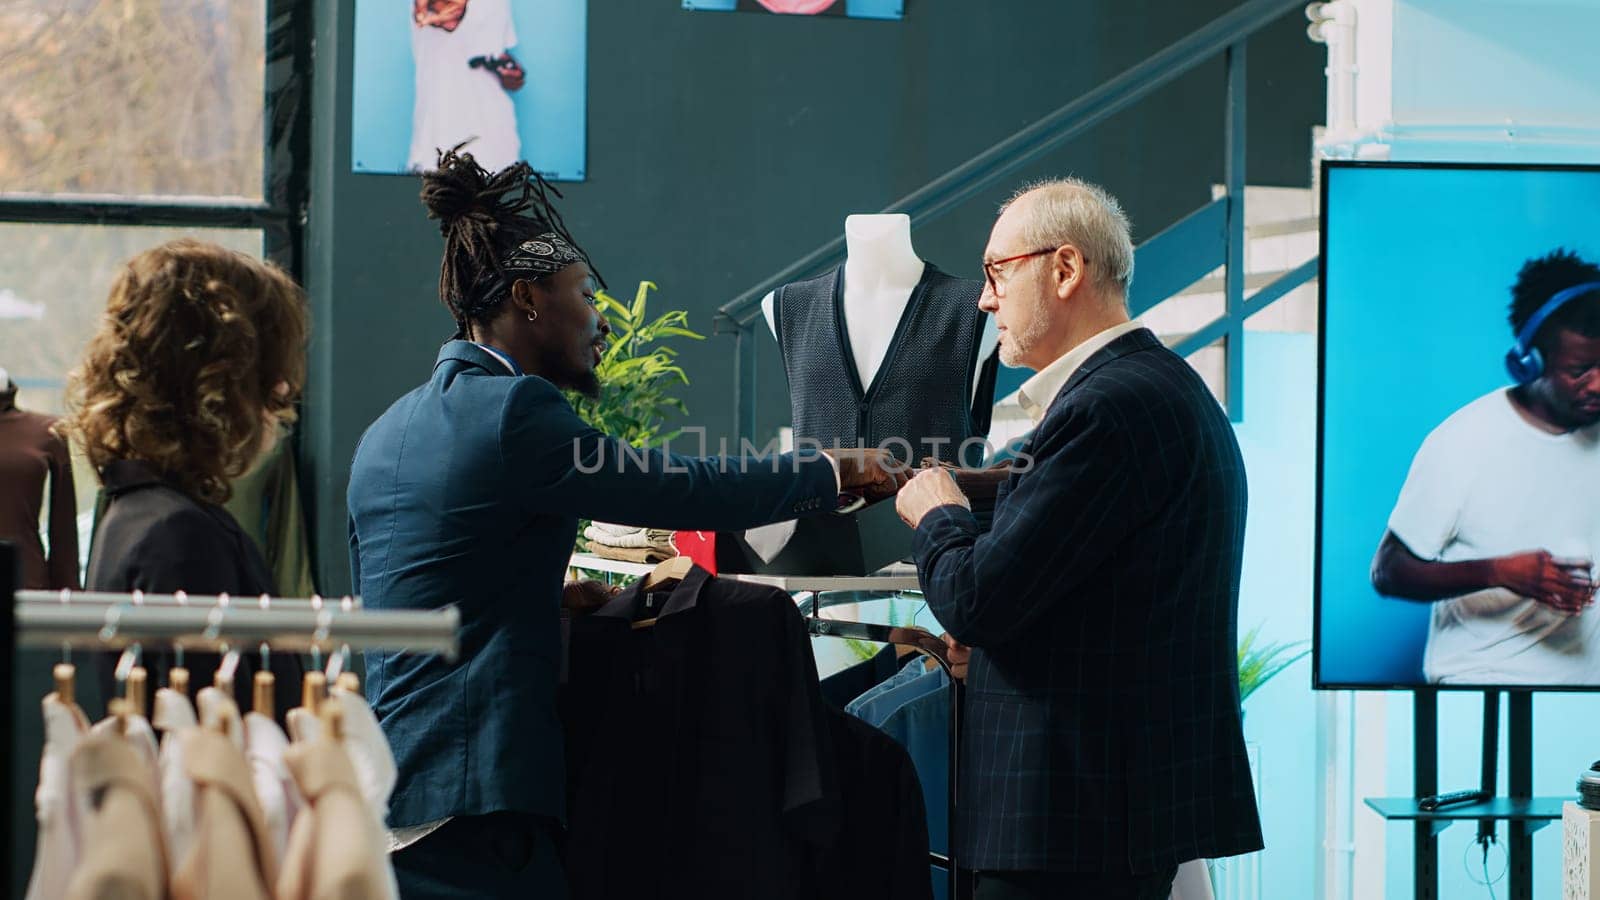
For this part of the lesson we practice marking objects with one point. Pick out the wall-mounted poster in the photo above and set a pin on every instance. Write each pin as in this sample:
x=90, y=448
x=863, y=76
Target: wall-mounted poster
x=859, y=9
x=430, y=74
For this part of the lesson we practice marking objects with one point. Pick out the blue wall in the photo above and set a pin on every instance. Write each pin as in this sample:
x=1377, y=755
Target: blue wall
x=552, y=46
x=1278, y=439
x=1419, y=268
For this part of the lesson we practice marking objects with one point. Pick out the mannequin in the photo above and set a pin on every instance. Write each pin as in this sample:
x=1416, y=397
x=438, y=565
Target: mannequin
x=887, y=350
x=33, y=457
x=881, y=270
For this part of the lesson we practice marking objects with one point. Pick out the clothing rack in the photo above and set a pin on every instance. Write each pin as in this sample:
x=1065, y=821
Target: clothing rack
x=811, y=604
x=181, y=599
x=58, y=619
x=812, y=594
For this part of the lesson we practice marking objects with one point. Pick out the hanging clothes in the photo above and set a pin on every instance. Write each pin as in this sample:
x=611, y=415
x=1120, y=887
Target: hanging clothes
x=337, y=849
x=913, y=709
x=231, y=857
x=881, y=849
x=265, y=745
x=55, y=802
x=698, y=752
x=124, y=855
x=266, y=504
x=175, y=717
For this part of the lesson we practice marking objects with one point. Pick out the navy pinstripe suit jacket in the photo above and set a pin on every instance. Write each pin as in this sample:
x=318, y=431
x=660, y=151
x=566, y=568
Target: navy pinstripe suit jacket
x=1102, y=713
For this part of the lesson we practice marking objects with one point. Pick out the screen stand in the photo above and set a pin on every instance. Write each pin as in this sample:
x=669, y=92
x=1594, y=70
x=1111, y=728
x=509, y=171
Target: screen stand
x=1520, y=825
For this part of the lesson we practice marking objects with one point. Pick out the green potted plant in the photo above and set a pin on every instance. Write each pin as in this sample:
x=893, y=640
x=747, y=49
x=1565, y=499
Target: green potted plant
x=638, y=373
x=1258, y=663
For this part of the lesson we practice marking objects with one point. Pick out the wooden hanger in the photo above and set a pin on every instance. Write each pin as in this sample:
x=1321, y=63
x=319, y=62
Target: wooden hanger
x=138, y=678
x=66, y=676
x=178, y=679
x=669, y=572
x=261, y=697
x=313, y=687
x=348, y=681
x=118, y=710
x=665, y=574
x=332, y=716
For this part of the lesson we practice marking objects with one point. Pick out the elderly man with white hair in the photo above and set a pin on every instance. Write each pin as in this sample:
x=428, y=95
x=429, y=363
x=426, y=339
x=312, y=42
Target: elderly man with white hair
x=1103, y=743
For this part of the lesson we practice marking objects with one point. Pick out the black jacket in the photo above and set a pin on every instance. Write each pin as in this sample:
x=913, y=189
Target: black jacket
x=154, y=538
x=1102, y=725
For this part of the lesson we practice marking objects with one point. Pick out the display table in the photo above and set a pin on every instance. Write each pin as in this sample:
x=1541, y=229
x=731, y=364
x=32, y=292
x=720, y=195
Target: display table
x=895, y=578
x=1532, y=813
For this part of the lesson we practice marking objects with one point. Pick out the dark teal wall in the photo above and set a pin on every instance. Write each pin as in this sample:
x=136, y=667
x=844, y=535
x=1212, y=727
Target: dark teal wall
x=723, y=146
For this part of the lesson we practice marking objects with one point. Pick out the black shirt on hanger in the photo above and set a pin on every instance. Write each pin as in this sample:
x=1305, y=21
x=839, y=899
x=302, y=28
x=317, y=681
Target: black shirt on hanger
x=699, y=755
x=881, y=851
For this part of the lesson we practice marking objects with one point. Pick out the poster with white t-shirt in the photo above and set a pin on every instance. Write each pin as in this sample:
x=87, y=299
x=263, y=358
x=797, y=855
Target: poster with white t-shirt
x=426, y=79
x=1487, y=483
x=1418, y=436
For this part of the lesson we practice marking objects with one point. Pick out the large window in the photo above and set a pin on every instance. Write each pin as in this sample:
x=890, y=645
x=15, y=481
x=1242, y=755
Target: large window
x=53, y=284
x=125, y=124
x=133, y=97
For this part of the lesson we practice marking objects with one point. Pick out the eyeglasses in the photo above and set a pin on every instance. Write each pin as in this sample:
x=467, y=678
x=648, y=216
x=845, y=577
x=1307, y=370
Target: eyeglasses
x=991, y=270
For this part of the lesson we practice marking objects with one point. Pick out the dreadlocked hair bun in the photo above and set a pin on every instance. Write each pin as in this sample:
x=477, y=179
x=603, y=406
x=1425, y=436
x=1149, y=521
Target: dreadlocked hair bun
x=481, y=215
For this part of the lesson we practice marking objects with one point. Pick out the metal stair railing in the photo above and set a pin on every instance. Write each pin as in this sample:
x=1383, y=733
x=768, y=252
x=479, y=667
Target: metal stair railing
x=1211, y=237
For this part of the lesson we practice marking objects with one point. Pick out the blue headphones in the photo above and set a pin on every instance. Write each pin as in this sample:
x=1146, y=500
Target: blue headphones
x=1523, y=360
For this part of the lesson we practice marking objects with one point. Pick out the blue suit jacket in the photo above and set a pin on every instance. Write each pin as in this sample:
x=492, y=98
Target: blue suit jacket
x=468, y=491
x=1102, y=712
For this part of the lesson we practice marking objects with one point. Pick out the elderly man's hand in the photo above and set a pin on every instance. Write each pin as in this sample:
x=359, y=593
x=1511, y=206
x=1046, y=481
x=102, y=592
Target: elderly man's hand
x=872, y=473
x=960, y=656
x=929, y=490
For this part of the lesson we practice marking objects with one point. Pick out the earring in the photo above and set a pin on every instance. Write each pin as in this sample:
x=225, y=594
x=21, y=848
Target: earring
x=533, y=314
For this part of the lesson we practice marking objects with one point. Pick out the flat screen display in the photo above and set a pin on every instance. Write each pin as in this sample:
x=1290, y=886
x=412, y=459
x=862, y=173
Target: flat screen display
x=1458, y=495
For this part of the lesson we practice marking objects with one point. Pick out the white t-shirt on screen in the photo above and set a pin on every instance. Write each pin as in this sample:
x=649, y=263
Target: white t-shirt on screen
x=455, y=101
x=1487, y=483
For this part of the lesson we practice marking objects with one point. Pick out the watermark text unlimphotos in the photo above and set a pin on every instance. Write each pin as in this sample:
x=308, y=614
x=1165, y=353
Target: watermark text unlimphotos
x=594, y=453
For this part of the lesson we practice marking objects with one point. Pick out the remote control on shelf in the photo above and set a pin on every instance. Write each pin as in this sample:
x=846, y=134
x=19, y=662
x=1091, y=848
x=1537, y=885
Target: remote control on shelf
x=1454, y=798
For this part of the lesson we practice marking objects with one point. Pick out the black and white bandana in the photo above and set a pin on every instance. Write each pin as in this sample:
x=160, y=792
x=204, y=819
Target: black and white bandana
x=546, y=254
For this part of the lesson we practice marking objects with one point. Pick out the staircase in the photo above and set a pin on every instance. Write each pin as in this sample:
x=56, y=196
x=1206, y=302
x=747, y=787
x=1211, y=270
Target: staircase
x=1180, y=265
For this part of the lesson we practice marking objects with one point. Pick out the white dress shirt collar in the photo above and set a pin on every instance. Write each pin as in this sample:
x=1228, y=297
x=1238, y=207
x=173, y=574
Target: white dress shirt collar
x=1038, y=392
x=504, y=360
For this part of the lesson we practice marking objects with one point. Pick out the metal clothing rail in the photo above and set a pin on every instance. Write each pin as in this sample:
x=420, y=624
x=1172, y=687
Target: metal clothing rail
x=53, y=624
x=181, y=599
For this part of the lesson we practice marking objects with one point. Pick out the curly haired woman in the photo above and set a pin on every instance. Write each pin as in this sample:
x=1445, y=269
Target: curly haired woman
x=196, y=365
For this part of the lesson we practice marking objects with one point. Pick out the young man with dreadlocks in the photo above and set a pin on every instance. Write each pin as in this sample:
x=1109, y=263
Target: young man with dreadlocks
x=467, y=491
x=1499, y=519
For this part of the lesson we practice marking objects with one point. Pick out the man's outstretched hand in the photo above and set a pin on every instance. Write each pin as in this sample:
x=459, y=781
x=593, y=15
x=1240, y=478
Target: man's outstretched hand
x=872, y=473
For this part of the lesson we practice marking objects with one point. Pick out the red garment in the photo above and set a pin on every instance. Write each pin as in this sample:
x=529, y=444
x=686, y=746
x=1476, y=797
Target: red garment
x=30, y=452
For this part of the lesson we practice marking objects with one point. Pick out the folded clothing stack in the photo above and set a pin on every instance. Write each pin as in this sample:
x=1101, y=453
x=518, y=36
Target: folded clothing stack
x=630, y=544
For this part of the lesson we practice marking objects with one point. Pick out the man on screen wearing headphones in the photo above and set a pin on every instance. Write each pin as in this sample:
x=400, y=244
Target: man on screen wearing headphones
x=1499, y=519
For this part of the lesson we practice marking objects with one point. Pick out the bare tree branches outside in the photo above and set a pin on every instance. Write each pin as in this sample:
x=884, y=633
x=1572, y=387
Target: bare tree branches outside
x=132, y=97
